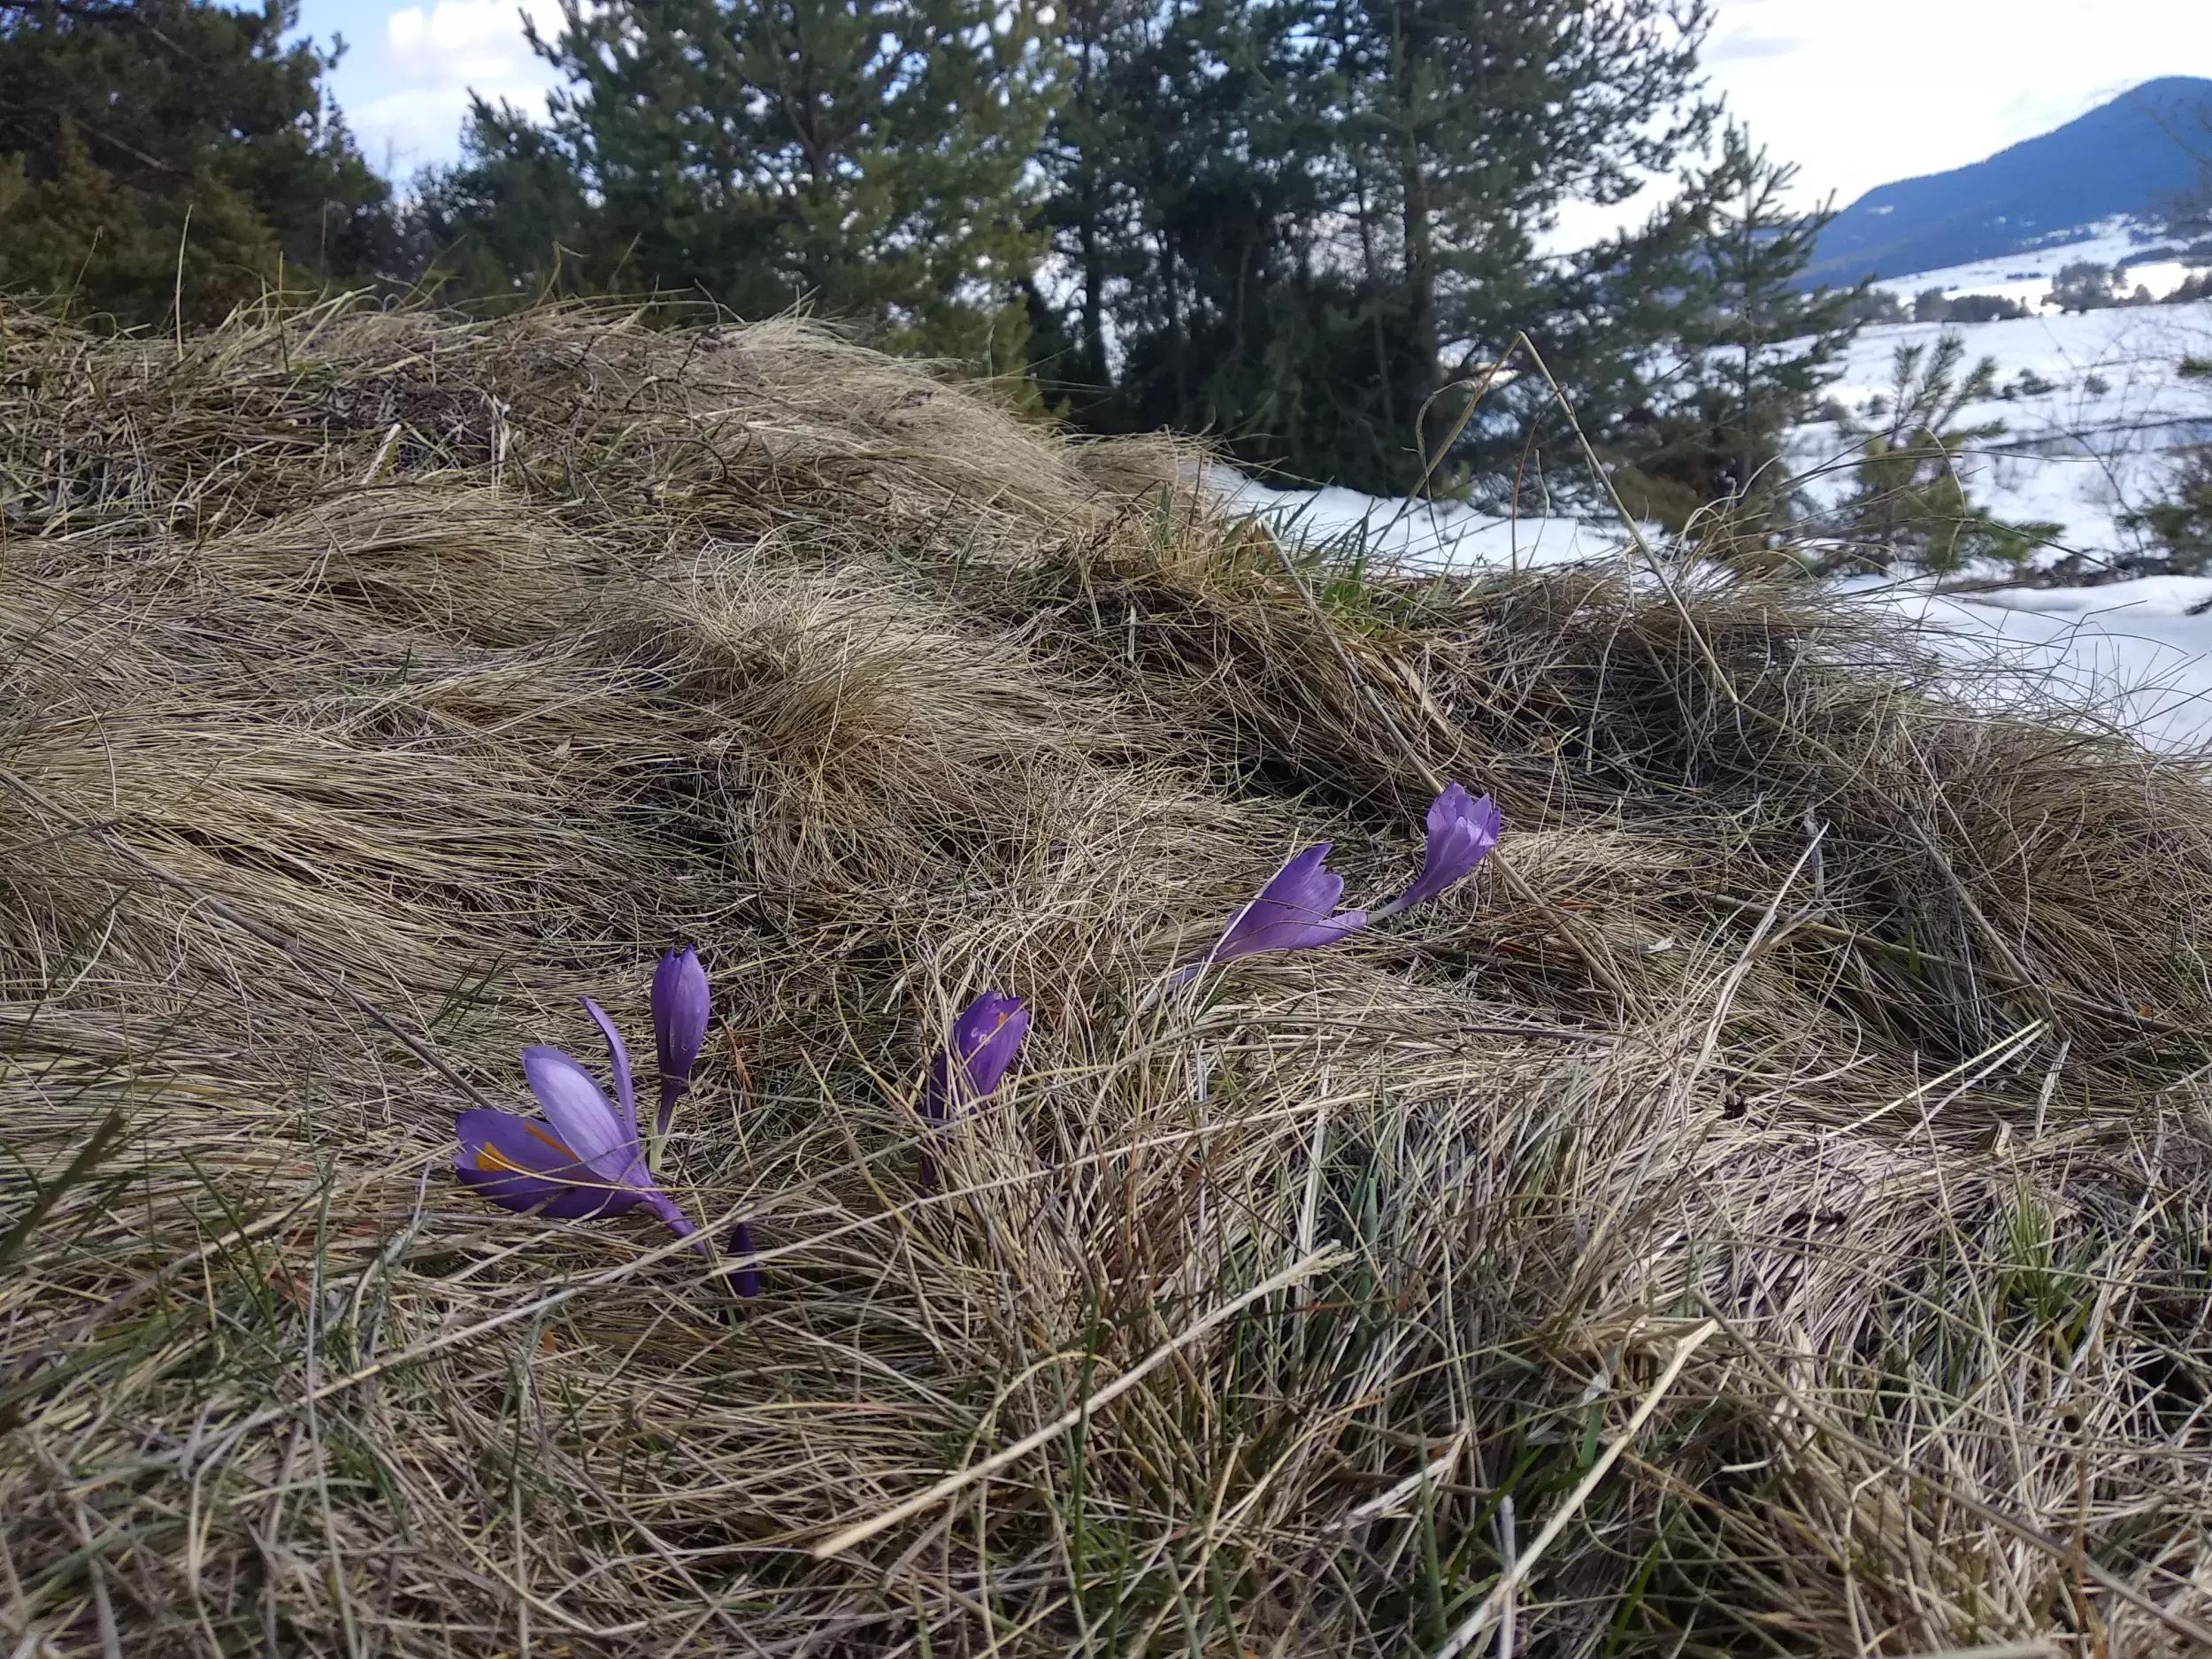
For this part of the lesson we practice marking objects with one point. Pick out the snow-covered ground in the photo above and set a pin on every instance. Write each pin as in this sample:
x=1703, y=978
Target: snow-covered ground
x=2097, y=403
x=2027, y=277
x=2131, y=650
x=2093, y=406
x=1439, y=536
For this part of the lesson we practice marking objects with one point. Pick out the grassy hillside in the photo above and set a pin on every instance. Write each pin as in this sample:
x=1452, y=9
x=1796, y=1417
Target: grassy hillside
x=1766, y=1211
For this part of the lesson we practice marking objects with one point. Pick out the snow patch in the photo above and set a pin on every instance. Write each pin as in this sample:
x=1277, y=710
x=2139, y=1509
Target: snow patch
x=2027, y=277
x=1423, y=536
x=2097, y=406
x=2131, y=651
x=2147, y=670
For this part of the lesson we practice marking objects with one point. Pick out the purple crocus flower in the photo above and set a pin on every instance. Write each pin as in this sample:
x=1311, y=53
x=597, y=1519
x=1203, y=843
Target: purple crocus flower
x=681, y=1010
x=985, y=1040
x=745, y=1277
x=584, y=1159
x=1295, y=910
x=1460, y=831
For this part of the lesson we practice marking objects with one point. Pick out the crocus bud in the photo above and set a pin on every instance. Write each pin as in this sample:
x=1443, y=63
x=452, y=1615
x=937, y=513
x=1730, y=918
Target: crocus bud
x=681, y=1011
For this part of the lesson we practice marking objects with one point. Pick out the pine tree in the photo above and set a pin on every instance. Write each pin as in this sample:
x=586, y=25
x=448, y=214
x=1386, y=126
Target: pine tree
x=175, y=150
x=1910, y=503
x=2083, y=286
x=510, y=222
x=1874, y=307
x=1092, y=208
x=1467, y=124
x=1215, y=297
x=867, y=158
x=1757, y=350
x=1324, y=213
x=2181, y=523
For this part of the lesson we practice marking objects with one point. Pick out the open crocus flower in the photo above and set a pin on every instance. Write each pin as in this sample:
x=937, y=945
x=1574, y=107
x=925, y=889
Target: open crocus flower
x=681, y=1010
x=1295, y=910
x=1460, y=831
x=584, y=1159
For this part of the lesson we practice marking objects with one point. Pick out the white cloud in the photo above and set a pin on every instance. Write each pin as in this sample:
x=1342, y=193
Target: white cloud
x=433, y=59
x=404, y=130
x=457, y=42
x=1737, y=44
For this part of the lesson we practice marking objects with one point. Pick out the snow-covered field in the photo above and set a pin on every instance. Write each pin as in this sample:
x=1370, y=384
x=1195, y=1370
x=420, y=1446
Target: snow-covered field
x=2092, y=405
x=2096, y=403
x=1439, y=536
x=2027, y=277
x=2131, y=650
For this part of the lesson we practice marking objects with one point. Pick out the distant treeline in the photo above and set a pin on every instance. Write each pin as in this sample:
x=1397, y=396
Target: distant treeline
x=1308, y=227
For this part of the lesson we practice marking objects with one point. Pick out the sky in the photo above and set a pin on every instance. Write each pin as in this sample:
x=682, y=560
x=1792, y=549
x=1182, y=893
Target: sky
x=1857, y=92
x=408, y=70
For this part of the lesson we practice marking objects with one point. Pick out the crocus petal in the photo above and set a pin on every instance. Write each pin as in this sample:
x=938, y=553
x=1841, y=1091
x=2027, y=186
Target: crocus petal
x=520, y=1164
x=582, y=1115
x=619, y=1062
x=526, y=1193
x=745, y=1277
x=681, y=1010
x=985, y=1037
x=671, y=1216
x=936, y=1091
x=1289, y=930
x=1293, y=911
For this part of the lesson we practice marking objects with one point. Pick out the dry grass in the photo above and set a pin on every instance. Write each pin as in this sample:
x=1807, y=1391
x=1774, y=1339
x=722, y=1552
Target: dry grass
x=1767, y=1213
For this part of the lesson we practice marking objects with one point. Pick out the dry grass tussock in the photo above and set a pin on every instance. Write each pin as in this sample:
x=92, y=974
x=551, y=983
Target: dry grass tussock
x=1765, y=1212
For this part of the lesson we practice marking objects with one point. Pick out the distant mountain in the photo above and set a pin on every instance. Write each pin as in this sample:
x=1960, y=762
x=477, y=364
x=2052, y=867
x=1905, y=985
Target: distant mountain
x=2127, y=157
